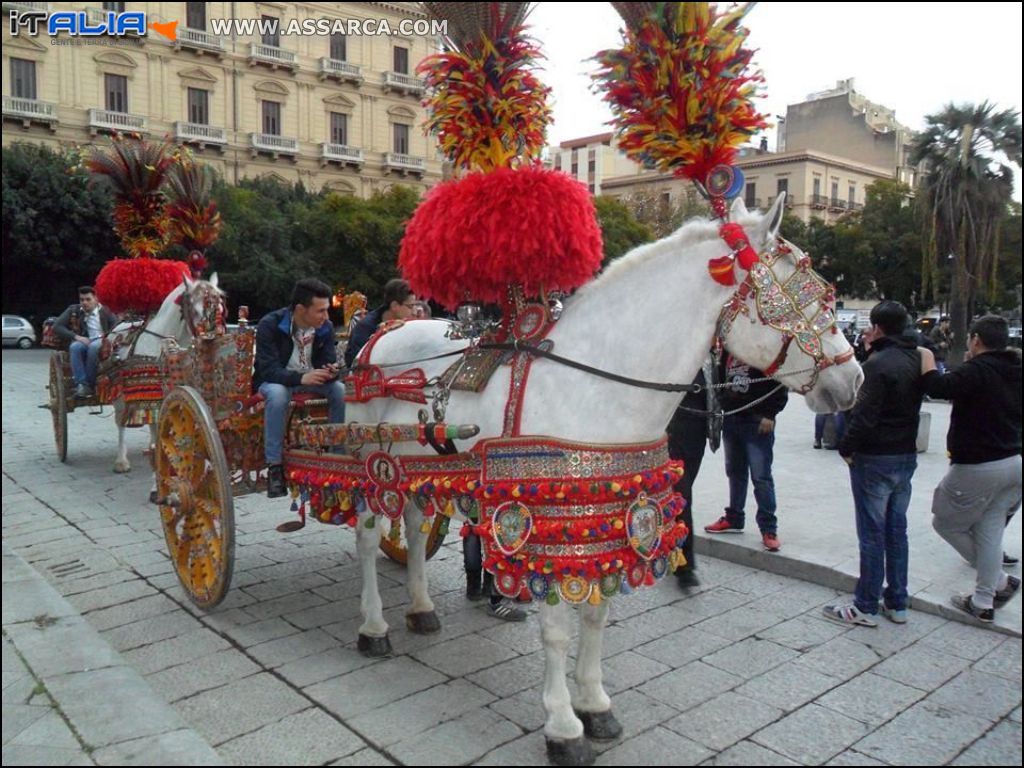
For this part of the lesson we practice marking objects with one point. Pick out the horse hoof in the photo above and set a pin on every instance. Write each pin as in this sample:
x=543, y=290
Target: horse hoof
x=122, y=467
x=570, y=751
x=600, y=726
x=425, y=623
x=374, y=647
x=153, y=497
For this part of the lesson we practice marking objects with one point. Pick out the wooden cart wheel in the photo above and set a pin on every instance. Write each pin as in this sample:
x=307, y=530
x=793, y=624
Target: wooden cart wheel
x=392, y=543
x=197, y=508
x=59, y=405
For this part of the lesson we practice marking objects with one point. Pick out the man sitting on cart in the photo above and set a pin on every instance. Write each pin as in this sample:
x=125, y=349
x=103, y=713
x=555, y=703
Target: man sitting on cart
x=84, y=325
x=295, y=352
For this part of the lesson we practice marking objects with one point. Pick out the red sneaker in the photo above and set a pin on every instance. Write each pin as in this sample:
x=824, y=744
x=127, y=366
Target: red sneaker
x=722, y=525
x=770, y=541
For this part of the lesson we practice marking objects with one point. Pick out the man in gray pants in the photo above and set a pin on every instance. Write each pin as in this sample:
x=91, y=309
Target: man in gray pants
x=983, y=485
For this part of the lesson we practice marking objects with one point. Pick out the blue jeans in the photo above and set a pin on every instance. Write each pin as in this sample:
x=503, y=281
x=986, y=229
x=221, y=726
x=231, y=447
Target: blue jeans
x=838, y=422
x=747, y=452
x=85, y=360
x=881, y=495
x=276, y=410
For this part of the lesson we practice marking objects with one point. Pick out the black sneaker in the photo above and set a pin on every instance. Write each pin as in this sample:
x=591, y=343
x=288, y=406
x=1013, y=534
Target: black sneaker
x=1009, y=559
x=506, y=610
x=83, y=392
x=1003, y=596
x=275, y=482
x=686, y=578
x=817, y=444
x=966, y=604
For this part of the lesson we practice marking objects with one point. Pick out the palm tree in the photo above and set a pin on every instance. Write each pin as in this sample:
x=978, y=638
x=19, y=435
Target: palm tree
x=965, y=193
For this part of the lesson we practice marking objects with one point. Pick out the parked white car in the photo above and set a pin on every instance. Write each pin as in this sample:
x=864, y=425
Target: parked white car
x=18, y=331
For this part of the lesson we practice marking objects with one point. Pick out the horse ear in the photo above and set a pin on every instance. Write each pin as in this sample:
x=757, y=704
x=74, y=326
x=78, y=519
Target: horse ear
x=188, y=283
x=737, y=209
x=213, y=279
x=773, y=218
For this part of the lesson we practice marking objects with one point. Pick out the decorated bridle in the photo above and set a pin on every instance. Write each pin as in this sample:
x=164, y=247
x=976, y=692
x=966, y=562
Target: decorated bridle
x=209, y=322
x=801, y=306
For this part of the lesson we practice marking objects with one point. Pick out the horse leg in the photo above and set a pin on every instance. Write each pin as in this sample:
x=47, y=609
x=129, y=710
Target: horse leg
x=563, y=731
x=592, y=704
x=420, y=618
x=373, y=634
x=121, y=463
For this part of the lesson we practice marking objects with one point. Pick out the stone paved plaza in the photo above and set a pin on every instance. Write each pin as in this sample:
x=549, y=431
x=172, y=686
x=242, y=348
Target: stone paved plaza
x=106, y=662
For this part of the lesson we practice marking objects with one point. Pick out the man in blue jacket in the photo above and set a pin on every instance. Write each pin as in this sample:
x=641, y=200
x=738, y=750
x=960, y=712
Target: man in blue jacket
x=295, y=351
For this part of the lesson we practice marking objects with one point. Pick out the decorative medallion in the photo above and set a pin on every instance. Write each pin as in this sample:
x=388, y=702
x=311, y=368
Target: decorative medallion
x=511, y=525
x=636, y=574
x=643, y=525
x=539, y=586
x=390, y=502
x=382, y=468
x=574, y=589
x=659, y=566
x=507, y=584
x=610, y=584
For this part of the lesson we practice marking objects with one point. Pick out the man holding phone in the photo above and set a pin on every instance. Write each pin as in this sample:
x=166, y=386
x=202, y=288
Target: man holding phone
x=295, y=352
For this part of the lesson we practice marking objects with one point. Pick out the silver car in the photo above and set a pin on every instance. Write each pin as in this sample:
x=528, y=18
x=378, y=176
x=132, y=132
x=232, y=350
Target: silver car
x=18, y=331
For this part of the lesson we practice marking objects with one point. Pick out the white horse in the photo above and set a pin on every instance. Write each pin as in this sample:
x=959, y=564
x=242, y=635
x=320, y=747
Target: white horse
x=184, y=313
x=652, y=315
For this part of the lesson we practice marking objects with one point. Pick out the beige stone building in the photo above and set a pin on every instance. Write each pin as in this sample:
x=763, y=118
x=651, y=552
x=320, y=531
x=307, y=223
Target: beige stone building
x=832, y=147
x=338, y=109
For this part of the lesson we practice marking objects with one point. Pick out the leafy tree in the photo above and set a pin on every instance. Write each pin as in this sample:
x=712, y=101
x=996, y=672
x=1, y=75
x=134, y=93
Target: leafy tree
x=55, y=224
x=966, y=191
x=619, y=228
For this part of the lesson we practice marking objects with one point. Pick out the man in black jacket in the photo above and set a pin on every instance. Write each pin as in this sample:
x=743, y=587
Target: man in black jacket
x=983, y=485
x=749, y=440
x=399, y=304
x=84, y=325
x=880, y=445
x=295, y=350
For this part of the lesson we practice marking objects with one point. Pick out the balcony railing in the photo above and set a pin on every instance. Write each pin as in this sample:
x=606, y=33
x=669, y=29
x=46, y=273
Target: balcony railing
x=401, y=82
x=836, y=204
x=44, y=7
x=30, y=109
x=198, y=132
x=341, y=70
x=279, y=145
x=406, y=163
x=198, y=39
x=108, y=120
x=819, y=201
x=270, y=54
x=341, y=153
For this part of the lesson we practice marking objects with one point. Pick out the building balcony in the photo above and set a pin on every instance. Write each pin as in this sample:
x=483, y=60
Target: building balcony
x=835, y=204
x=819, y=201
x=274, y=56
x=341, y=153
x=44, y=7
x=274, y=145
x=341, y=70
x=394, y=161
x=396, y=81
x=198, y=133
x=107, y=120
x=200, y=41
x=854, y=206
x=30, y=111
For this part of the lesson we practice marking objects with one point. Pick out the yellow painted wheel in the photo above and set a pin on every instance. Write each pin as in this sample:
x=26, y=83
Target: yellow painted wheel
x=59, y=405
x=392, y=543
x=194, y=494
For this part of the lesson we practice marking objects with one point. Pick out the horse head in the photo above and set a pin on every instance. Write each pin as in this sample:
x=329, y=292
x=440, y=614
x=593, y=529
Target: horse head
x=203, y=308
x=782, y=318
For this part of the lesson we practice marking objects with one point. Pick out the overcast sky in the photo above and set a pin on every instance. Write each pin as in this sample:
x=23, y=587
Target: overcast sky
x=913, y=58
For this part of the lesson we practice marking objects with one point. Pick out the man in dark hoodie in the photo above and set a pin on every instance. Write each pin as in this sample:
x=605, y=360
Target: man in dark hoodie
x=880, y=445
x=749, y=439
x=983, y=485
